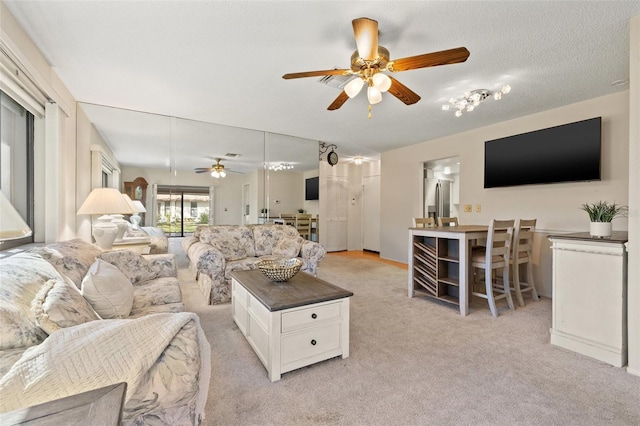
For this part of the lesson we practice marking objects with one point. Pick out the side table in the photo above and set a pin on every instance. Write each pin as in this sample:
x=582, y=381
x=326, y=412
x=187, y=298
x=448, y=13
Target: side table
x=291, y=324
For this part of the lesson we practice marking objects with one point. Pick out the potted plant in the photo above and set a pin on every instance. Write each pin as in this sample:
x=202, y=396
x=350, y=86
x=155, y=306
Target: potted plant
x=601, y=213
x=300, y=210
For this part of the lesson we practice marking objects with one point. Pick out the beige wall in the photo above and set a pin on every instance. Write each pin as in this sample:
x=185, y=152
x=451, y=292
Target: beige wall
x=55, y=139
x=286, y=192
x=556, y=206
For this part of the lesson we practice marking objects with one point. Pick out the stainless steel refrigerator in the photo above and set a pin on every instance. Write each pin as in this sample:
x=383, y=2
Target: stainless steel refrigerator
x=437, y=196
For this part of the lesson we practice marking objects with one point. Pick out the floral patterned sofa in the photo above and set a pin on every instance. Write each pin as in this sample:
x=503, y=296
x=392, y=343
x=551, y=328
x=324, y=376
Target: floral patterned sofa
x=215, y=251
x=53, y=342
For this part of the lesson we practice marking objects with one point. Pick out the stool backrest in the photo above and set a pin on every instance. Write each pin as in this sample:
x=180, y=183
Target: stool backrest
x=499, y=238
x=447, y=221
x=523, y=239
x=423, y=222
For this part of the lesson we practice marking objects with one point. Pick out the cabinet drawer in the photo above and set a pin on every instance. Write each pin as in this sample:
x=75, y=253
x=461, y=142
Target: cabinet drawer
x=301, y=318
x=308, y=343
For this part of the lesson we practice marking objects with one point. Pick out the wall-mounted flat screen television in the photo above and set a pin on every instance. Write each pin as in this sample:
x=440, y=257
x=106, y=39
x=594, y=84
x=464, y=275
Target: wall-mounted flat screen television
x=566, y=153
x=311, y=188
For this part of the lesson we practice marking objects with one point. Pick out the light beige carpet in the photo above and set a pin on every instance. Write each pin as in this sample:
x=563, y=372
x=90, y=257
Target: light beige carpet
x=415, y=361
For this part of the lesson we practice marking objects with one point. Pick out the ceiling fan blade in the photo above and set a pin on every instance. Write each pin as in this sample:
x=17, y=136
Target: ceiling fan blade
x=365, y=31
x=203, y=169
x=402, y=92
x=443, y=57
x=339, y=101
x=315, y=73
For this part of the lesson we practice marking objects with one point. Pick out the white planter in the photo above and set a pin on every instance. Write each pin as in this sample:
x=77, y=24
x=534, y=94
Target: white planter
x=600, y=229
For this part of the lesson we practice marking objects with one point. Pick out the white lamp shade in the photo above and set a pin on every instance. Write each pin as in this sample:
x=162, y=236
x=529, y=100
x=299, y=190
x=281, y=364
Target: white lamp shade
x=130, y=202
x=374, y=95
x=223, y=173
x=138, y=205
x=381, y=81
x=106, y=201
x=12, y=226
x=353, y=87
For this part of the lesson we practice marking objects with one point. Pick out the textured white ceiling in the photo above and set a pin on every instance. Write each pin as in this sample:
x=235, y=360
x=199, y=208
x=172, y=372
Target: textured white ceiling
x=222, y=61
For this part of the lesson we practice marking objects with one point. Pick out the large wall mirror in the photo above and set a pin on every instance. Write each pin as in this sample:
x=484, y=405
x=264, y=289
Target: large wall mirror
x=262, y=171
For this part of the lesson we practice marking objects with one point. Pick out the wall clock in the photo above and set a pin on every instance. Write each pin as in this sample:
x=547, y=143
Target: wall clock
x=332, y=158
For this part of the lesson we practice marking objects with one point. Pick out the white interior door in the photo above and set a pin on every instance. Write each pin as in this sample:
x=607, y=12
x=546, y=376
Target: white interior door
x=371, y=213
x=246, y=202
x=337, y=209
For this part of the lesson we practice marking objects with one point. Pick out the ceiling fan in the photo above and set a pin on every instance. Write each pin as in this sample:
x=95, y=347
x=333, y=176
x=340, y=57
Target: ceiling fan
x=217, y=170
x=370, y=60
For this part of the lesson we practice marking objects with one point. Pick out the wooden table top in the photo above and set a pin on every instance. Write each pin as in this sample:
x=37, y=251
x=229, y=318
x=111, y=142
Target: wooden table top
x=303, y=289
x=457, y=229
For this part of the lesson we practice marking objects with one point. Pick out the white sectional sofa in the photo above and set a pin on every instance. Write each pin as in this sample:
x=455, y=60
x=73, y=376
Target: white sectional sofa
x=53, y=343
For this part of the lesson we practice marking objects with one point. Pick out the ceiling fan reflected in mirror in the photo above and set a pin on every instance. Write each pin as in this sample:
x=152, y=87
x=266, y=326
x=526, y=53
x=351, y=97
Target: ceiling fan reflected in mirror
x=217, y=170
x=370, y=62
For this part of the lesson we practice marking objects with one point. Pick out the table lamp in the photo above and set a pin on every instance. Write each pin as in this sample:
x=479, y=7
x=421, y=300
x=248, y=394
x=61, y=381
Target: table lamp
x=105, y=202
x=12, y=226
x=135, y=218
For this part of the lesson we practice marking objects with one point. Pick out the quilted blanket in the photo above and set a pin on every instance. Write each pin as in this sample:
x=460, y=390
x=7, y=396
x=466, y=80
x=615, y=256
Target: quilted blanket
x=99, y=353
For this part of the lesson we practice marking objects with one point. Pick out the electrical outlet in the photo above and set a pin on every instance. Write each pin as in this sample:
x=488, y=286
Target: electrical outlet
x=478, y=208
x=467, y=208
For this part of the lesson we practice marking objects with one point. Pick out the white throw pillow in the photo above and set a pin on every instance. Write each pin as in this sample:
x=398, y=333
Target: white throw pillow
x=288, y=246
x=108, y=290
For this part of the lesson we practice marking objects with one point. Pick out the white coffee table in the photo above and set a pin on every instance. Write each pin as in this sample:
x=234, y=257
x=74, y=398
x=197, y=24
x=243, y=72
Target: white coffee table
x=291, y=324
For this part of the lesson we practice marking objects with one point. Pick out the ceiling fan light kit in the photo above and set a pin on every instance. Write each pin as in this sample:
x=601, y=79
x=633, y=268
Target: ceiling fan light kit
x=370, y=59
x=470, y=100
x=276, y=167
x=217, y=170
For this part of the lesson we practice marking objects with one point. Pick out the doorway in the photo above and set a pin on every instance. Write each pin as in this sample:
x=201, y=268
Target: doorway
x=441, y=186
x=181, y=209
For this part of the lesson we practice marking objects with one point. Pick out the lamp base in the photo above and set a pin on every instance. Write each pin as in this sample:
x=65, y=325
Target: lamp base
x=122, y=224
x=104, y=232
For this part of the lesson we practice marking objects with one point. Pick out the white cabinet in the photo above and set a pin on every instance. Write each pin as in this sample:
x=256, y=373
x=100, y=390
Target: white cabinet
x=287, y=339
x=590, y=296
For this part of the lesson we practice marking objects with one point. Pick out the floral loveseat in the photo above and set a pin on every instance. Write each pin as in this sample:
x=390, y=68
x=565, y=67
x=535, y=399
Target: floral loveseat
x=217, y=250
x=53, y=342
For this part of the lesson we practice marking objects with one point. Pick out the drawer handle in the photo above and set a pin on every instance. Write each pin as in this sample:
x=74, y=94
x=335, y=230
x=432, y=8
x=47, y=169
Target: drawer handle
x=313, y=342
x=314, y=316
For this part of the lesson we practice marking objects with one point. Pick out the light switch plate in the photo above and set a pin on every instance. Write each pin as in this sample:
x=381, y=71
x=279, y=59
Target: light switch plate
x=478, y=208
x=467, y=208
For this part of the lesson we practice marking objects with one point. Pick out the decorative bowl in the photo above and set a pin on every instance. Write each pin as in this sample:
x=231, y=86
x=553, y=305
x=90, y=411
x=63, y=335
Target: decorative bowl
x=280, y=269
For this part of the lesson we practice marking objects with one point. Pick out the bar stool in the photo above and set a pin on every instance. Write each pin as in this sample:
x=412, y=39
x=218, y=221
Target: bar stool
x=447, y=221
x=423, y=222
x=496, y=255
x=303, y=225
x=522, y=248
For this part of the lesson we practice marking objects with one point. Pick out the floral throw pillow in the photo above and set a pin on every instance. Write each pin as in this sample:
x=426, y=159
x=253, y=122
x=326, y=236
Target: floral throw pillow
x=108, y=290
x=288, y=246
x=135, y=267
x=59, y=304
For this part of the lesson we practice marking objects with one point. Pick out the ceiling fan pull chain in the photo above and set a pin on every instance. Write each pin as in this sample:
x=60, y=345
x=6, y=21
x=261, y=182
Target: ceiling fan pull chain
x=370, y=111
